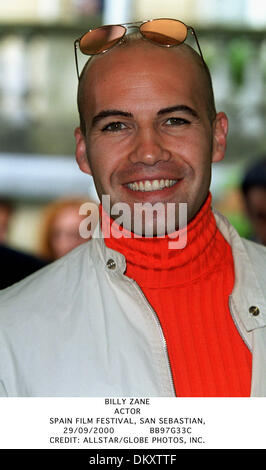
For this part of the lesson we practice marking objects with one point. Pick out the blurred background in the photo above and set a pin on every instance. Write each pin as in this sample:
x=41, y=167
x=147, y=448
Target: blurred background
x=38, y=86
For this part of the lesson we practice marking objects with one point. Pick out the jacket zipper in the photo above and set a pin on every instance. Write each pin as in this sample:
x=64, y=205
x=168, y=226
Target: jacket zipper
x=157, y=321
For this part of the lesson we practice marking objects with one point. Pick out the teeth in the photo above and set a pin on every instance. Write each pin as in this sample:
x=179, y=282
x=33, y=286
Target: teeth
x=147, y=185
x=153, y=185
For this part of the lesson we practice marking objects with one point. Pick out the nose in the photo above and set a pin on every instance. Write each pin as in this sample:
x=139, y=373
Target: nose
x=148, y=148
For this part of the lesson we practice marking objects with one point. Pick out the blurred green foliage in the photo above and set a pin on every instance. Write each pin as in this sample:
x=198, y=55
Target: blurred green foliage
x=239, y=54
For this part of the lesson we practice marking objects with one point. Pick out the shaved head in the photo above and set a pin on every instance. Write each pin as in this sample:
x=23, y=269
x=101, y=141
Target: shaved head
x=136, y=40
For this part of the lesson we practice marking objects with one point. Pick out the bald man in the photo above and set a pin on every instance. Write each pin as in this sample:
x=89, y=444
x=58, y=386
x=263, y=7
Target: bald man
x=131, y=314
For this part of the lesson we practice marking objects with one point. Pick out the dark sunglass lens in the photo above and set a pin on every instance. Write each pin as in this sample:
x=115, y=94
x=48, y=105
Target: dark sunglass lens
x=101, y=39
x=165, y=32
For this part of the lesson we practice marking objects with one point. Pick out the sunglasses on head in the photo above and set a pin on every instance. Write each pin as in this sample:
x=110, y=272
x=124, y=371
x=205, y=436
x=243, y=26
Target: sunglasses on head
x=163, y=32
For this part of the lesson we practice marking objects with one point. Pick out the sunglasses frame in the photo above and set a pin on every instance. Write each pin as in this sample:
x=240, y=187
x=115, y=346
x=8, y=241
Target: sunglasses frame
x=136, y=24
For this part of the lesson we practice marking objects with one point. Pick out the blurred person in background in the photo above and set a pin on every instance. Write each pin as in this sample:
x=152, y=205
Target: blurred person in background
x=6, y=210
x=14, y=264
x=127, y=315
x=59, y=232
x=254, y=192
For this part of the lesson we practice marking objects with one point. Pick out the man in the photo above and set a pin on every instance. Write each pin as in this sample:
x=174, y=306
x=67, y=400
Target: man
x=127, y=315
x=254, y=191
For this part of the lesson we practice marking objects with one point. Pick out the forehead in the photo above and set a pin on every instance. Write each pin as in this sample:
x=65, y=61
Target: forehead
x=143, y=73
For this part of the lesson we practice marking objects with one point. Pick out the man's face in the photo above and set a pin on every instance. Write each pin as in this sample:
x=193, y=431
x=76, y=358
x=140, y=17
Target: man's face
x=148, y=134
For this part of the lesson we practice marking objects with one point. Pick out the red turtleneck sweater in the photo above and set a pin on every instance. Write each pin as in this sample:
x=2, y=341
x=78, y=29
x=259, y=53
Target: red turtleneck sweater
x=189, y=290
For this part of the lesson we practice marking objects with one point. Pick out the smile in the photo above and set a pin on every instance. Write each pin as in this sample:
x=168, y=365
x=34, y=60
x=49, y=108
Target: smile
x=151, y=185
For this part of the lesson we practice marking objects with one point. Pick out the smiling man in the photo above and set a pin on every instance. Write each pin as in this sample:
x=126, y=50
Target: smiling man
x=127, y=316
x=149, y=128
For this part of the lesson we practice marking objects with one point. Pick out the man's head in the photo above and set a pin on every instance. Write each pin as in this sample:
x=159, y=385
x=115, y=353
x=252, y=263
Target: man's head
x=254, y=192
x=147, y=119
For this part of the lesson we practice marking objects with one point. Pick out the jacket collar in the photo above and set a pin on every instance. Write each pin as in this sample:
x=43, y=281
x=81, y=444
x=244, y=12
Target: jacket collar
x=249, y=263
x=113, y=261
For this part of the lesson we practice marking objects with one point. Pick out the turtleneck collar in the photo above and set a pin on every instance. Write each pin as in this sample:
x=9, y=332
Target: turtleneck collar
x=152, y=264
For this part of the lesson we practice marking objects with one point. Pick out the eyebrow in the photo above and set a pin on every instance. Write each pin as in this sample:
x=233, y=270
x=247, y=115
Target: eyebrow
x=179, y=107
x=109, y=112
x=117, y=112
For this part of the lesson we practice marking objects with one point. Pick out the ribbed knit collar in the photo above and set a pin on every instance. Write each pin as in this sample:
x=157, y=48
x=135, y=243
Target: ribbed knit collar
x=152, y=264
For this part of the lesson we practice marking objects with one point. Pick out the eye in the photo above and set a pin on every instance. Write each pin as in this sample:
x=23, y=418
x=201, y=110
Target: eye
x=114, y=127
x=176, y=121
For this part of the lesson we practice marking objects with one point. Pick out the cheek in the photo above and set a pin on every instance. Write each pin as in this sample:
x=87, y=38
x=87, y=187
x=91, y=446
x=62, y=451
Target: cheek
x=105, y=158
x=194, y=150
x=101, y=172
x=97, y=158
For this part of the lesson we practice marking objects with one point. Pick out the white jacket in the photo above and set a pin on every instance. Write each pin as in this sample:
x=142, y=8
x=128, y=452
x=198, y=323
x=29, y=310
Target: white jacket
x=80, y=327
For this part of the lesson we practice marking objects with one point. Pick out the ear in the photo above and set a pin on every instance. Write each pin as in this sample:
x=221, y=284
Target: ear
x=220, y=129
x=81, y=152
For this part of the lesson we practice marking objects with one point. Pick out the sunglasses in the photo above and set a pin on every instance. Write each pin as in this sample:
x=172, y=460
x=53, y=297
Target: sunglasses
x=163, y=32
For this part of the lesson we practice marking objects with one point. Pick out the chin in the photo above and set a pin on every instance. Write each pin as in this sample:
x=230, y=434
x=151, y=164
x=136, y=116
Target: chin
x=153, y=226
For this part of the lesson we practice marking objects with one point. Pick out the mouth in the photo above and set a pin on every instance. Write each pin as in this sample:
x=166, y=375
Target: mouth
x=151, y=185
